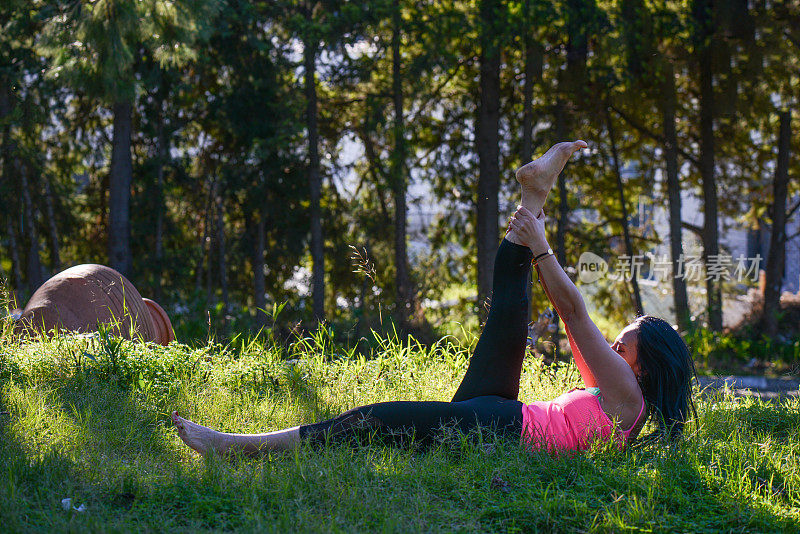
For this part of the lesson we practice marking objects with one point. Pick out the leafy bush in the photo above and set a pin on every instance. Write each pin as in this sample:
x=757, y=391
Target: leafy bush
x=711, y=349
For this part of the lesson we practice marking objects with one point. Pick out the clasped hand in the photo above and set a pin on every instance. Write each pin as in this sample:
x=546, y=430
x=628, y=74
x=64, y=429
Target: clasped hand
x=530, y=229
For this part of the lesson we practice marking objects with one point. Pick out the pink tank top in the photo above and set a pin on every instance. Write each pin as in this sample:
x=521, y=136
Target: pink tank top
x=571, y=421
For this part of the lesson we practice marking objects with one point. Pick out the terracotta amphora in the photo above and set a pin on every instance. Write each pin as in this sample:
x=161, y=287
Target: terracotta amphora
x=84, y=296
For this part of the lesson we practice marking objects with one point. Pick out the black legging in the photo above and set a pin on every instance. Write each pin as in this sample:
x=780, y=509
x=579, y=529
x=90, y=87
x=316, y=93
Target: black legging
x=488, y=392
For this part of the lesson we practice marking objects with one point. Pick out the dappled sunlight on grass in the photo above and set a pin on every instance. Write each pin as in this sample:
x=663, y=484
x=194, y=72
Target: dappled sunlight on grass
x=79, y=426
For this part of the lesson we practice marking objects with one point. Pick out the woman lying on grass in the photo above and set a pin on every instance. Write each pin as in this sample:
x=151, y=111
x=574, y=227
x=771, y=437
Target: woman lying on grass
x=645, y=373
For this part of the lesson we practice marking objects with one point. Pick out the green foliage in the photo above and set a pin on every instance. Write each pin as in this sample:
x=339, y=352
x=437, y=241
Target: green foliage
x=96, y=45
x=718, y=350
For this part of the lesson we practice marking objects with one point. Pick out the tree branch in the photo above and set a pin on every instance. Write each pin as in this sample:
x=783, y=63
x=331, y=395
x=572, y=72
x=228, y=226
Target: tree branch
x=633, y=236
x=790, y=237
x=792, y=210
x=435, y=93
x=375, y=169
x=643, y=129
x=417, y=161
x=692, y=228
x=341, y=102
x=794, y=40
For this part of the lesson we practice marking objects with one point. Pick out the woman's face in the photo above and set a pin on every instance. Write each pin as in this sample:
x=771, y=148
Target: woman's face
x=625, y=346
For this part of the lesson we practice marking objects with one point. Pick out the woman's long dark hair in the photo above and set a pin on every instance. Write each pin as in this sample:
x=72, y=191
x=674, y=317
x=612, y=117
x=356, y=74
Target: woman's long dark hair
x=666, y=369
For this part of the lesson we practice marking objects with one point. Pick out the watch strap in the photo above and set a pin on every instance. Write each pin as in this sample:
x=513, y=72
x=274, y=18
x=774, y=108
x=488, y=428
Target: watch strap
x=542, y=255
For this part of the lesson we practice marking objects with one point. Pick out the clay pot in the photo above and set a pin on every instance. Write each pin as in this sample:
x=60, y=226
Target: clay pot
x=163, y=326
x=80, y=298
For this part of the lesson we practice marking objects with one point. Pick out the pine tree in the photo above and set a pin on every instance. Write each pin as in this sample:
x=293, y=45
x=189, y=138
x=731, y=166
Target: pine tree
x=97, y=48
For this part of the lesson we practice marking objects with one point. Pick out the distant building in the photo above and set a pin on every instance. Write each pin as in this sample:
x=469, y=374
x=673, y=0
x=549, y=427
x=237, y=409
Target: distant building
x=735, y=238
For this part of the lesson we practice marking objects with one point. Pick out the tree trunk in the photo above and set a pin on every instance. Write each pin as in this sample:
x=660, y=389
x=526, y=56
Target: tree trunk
x=52, y=227
x=204, y=239
x=563, y=207
x=405, y=293
x=119, y=229
x=776, y=256
x=7, y=184
x=259, y=282
x=710, y=203
x=488, y=149
x=35, y=277
x=211, y=222
x=704, y=18
x=534, y=58
x=223, y=257
x=16, y=264
x=637, y=297
x=563, y=217
x=314, y=181
x=668, y=104
x=162, y=156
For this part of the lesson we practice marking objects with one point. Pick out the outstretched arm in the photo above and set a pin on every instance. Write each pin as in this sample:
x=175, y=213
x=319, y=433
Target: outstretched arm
x=612, y=373
x=586, y=374
x=588, y=378
x=559, y=304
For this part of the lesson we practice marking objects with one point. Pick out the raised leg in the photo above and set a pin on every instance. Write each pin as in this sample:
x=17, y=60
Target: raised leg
x=496, y=364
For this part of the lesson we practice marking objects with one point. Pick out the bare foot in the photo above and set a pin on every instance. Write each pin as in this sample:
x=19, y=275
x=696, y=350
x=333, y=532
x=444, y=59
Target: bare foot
x=198, y=437
x=538, y=176
x=541, y=173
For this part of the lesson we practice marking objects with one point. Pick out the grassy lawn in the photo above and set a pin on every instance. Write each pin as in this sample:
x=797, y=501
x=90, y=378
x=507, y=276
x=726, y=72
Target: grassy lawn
x=88, y=419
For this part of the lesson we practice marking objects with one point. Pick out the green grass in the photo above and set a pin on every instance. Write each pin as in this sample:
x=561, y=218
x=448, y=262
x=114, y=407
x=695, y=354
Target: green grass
x=82, y=424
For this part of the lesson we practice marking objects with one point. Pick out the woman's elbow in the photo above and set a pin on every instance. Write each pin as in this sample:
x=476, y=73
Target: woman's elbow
x=574, y=313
